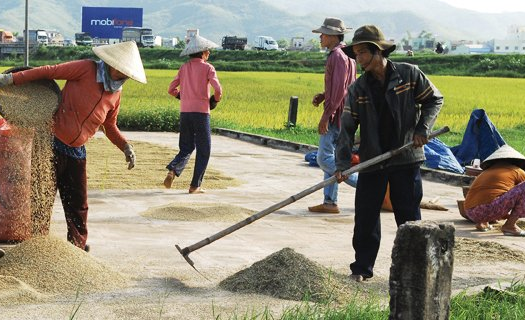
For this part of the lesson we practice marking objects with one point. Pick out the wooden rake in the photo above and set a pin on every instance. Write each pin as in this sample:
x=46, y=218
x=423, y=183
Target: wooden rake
x=358, y=167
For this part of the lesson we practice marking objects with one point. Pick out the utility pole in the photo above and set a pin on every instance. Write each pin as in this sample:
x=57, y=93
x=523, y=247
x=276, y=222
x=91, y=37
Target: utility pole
x=26, y=37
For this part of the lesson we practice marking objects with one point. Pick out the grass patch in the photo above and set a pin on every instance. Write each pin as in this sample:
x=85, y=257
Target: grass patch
x=490, y=303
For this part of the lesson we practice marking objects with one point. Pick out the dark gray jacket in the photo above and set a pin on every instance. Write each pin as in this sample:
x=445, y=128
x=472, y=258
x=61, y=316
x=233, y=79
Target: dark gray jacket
x=414, y=103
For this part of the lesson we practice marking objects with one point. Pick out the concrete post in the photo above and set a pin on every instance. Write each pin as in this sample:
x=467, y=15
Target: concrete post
x=292, y=111
x=421, y=271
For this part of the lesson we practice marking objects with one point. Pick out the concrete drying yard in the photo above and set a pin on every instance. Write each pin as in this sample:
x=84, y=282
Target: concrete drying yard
x=164, y=286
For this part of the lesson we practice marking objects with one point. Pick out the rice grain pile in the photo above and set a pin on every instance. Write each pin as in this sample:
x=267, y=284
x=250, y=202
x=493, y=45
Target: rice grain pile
x=13, y=290
x=468, y=250
x=32, y=106
x=51, y=266
x=287, y=274
x=208, y=212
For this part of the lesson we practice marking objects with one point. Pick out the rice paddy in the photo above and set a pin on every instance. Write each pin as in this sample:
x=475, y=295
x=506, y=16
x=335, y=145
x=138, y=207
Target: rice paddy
x=259, y=101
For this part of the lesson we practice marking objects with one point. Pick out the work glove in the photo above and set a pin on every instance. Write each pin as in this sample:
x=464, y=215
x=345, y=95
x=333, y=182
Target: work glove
x=318, y=98
x=130, y=155
x=213, y=102
x=6, y=79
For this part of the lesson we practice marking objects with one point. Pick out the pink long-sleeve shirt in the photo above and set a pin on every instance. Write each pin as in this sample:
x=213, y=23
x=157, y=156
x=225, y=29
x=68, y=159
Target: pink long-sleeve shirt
x=340, y=72
x=194, y=79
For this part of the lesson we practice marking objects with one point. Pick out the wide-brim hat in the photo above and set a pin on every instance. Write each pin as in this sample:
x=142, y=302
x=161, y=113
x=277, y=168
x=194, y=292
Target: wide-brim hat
x=332, y=26
x=124, y=57
x=198, y=44
x=370, y=34
x=505, y=152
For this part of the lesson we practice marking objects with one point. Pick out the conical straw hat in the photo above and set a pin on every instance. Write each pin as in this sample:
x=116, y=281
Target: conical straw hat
x=124, y=57
x=505, y=152
x=198, y=44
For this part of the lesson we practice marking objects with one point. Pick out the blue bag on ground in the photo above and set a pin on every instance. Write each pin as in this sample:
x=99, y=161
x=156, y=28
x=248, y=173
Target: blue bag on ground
x=311, y=158
x=439, y=156
x=480, y=140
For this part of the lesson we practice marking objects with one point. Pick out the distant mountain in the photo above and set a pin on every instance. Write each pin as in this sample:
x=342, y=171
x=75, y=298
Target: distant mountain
x=277, y=18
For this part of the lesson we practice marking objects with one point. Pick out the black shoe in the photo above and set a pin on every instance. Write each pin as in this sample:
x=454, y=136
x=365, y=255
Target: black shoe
x=86, y=248
x=2, y=253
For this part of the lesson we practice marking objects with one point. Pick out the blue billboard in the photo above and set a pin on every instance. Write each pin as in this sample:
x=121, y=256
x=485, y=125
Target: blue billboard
x=108, y=22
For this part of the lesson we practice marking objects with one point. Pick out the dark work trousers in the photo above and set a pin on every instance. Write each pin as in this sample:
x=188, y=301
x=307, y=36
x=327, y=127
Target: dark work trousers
x=72, y=185
x=406, y=192
x=194, y=134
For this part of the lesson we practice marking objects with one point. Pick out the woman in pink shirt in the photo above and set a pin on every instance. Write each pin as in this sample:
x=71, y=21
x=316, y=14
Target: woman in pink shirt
x=192, y=86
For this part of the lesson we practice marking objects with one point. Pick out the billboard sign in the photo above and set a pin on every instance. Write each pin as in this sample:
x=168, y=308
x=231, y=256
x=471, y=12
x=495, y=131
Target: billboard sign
x=108, y=22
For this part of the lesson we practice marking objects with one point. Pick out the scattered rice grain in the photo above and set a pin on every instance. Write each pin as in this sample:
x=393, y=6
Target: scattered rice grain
x=468, y=250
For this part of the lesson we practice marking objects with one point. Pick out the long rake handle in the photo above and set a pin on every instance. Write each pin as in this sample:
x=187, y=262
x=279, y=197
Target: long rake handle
x=186, y=251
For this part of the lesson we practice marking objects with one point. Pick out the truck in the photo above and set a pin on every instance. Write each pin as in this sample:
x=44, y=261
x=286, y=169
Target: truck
x=83, y=39
x=6, y=36
x=38, y=36
x=234, y=43
x=265, y=43
x=143, y=37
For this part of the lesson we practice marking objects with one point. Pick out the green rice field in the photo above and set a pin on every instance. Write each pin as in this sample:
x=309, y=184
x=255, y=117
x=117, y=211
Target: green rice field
x=258, y=102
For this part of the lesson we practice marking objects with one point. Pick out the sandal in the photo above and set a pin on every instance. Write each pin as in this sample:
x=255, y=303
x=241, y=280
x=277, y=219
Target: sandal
x=168, y=181
x=520, y=233
x=484, y=228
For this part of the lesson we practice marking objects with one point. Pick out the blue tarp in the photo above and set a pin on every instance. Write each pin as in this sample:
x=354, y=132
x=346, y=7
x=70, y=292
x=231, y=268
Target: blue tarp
x=437, y=153
x=439, y=156
x=480, y=140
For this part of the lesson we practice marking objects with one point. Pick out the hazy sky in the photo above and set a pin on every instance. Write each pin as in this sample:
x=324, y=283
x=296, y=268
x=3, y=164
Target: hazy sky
x=494, y=6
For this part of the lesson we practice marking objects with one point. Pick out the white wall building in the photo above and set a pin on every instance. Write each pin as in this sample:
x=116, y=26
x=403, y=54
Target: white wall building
x=513, y=43
x=477, y=48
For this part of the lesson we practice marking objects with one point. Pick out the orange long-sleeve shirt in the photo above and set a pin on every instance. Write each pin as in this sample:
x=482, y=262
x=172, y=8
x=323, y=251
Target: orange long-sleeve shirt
x=492, y=183
x=84, y=106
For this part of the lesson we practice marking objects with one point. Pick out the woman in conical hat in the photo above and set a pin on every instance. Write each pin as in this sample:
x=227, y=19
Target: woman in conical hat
x=498, y=193
x=192, y=86
x=90, y=99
